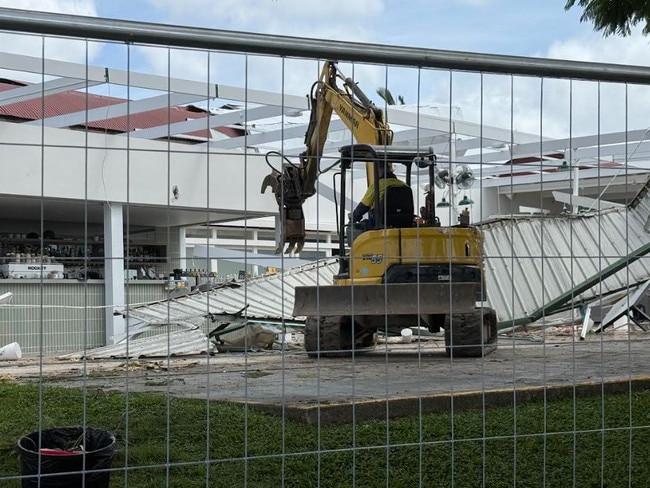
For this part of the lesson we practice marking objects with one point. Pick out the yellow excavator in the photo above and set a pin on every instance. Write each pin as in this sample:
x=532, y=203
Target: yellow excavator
x=401, y=270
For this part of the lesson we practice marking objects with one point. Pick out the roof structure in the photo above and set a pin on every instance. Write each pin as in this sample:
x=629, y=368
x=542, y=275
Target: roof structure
x=171, y=110
x=80, y=109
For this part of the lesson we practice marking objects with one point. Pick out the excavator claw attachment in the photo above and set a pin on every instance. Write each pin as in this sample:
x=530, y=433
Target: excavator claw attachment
x=286, y=188
x=272, y=181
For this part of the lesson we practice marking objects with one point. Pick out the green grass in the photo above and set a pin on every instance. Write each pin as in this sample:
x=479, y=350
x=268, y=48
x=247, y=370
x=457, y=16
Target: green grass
x=586, y=443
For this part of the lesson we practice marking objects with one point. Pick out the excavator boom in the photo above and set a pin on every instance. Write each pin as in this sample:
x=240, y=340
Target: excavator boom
x=294, y=183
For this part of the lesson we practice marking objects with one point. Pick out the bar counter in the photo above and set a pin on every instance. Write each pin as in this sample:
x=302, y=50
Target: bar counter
x=56, y=316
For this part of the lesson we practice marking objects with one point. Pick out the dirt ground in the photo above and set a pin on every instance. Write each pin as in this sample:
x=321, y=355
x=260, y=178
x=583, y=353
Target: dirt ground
x=392, y=372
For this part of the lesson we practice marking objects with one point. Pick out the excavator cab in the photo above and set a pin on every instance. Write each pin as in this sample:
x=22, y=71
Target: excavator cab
x=397, y=207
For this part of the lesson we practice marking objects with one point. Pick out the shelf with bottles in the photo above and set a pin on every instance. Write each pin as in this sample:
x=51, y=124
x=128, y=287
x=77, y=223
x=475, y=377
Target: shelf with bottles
x=73, y=252
x=146, y=254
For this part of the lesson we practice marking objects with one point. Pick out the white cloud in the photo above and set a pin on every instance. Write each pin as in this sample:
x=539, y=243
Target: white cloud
x=634, y=49
x=52, y=48
x=605, y=107
x=333, y=19
x=74, y=7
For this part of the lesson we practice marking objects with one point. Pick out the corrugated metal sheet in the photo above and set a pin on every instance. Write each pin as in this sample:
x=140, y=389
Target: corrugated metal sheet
x=177, y=343
x=267, y=297
x=529, y=262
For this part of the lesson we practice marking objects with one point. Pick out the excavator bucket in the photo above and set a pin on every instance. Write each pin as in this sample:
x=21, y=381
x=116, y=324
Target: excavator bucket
x=385, y=299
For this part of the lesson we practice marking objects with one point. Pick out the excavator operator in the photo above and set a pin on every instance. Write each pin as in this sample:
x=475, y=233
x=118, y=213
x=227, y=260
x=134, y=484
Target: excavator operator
x=386, y=178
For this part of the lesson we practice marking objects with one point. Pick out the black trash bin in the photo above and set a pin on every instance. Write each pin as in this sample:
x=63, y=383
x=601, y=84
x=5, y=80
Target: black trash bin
x=62, y=463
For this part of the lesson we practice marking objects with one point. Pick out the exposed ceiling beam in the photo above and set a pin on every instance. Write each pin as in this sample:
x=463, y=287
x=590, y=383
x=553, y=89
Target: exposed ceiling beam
x=582, y=201
x=270, y=136
x=206, y=90
x=554, y=145
x=559, y=180
x=621, y=152
x=38, y=90
x=397, y=116
x=234, y=117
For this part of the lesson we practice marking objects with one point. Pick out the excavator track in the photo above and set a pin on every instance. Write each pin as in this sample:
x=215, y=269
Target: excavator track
x=471, y=334
x=334, y=336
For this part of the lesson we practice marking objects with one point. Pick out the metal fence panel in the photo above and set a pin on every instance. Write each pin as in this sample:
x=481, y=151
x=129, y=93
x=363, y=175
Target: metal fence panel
x=130, y=149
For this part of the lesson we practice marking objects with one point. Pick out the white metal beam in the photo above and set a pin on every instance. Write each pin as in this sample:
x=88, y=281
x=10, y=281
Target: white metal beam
x=586, y=202
x=38, y=90
x=558, y=180
x=556, y=145
x=98, y=74
x=442, y=124
x=270, y=136
x=235, y=117
x=622, y=152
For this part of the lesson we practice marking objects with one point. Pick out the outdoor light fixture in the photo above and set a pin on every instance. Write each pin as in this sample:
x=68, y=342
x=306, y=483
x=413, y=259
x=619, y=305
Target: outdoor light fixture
x=443, y=203
x=564, y=166
x=465, y=201
x=462, y=178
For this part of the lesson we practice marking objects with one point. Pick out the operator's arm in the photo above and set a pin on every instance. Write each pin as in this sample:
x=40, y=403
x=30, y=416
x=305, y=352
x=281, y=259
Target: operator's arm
x=364, y=205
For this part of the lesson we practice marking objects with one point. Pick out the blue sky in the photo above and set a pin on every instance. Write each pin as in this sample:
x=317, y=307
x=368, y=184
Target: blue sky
x=498, y=26
x=527, y=27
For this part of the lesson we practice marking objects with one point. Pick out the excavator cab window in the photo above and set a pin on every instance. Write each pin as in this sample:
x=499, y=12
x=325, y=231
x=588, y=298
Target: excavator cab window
x=397, y=207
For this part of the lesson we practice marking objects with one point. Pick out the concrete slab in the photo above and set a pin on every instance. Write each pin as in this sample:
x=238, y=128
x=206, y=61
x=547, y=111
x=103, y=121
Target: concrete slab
x=394, y=380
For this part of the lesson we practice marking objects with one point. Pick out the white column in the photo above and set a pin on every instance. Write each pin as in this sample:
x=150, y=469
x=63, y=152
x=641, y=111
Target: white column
x=113, y=270
x=278, y=232
x=452, y=171
x=576, y=188
x=256, y=236
x=182, y=245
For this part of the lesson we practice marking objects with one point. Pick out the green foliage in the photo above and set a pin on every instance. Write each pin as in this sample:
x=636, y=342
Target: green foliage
x=387, y=96
x=194, y=443
x=614, y=16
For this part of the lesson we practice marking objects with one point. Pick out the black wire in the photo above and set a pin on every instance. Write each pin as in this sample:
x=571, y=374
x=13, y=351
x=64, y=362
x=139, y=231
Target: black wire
x=277, y=153
x=336, y=203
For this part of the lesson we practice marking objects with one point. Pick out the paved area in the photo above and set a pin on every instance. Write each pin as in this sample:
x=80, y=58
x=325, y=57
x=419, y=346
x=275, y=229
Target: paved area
x=394, y=379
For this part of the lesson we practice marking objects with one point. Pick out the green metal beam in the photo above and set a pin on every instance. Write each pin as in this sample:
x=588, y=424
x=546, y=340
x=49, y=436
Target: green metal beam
x=559, y=302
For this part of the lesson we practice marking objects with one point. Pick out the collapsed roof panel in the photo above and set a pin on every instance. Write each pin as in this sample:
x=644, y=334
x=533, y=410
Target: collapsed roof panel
x=531, y=261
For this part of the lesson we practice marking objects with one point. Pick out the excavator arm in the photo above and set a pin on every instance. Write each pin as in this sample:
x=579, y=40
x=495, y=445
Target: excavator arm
x=295, y=183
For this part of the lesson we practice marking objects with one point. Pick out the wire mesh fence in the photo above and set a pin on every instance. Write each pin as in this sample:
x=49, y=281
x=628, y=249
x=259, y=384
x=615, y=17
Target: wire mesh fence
x=487, y=330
